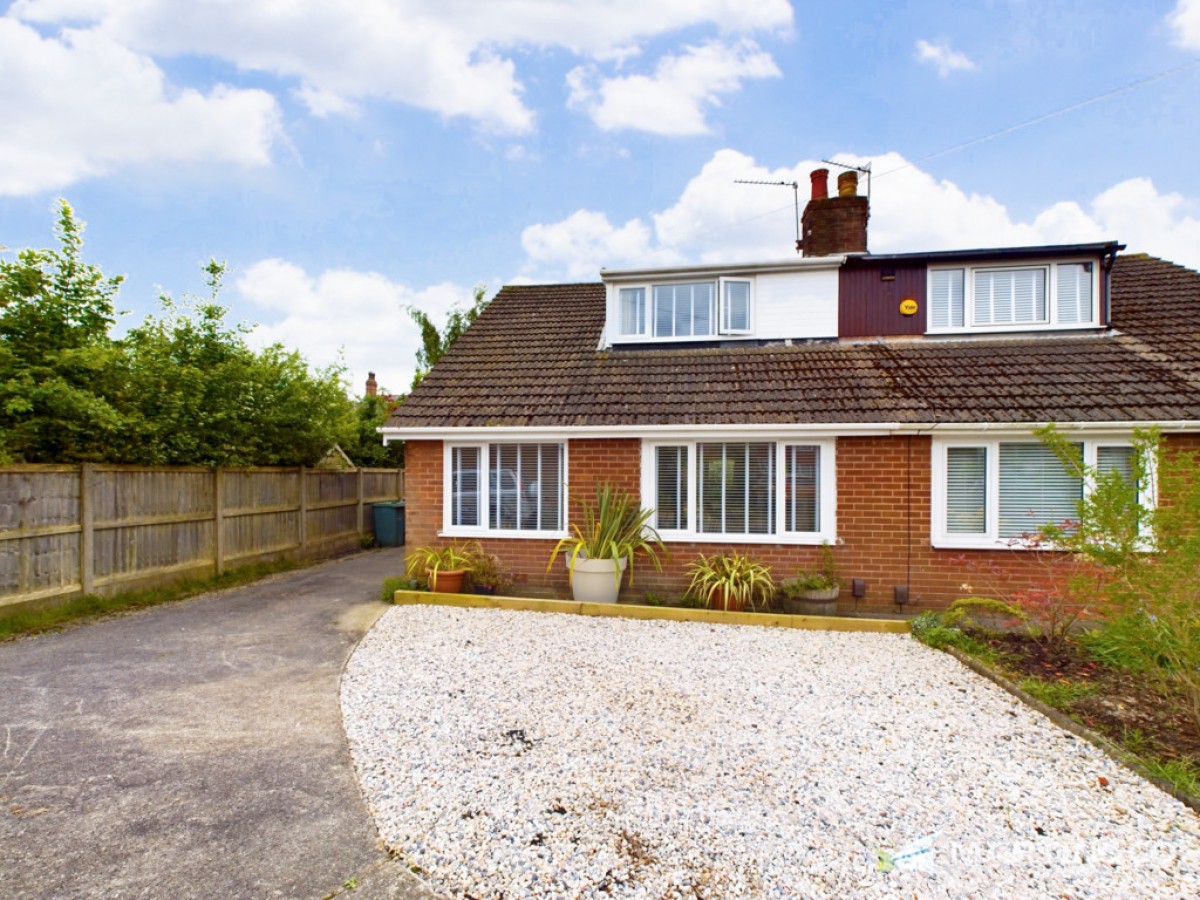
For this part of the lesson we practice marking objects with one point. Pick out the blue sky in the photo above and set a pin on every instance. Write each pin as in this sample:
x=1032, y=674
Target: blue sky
x=350, y=157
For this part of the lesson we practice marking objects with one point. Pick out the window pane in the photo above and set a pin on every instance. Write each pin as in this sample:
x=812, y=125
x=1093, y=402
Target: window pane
x=1074, y=289
x=736, y=316
x=464, y=489
x=946, y=302
x=1035, y=489
x=802, y=486
x=736, y=488
x=966, y=490
x=525, y=487
x=1010, y=296
x=1115, y=459
x=670, y=487
x=682, y=310
x=633, y=310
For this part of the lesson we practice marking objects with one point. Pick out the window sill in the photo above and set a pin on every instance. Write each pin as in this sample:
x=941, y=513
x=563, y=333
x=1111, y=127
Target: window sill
x=687, y=537
x=478, y=534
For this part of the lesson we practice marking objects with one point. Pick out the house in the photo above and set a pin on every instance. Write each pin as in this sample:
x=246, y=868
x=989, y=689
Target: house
x=885, y=404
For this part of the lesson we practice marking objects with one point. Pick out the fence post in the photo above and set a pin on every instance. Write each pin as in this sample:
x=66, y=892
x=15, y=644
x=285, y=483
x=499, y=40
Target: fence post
x=219, y=517
x=303, y=509
x=87, y=529
x=358, y=490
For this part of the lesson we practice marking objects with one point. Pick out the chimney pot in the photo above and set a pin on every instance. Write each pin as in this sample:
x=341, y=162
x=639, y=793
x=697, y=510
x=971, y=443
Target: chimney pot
x=848, y=184
x=820, y=183
x=372, y=386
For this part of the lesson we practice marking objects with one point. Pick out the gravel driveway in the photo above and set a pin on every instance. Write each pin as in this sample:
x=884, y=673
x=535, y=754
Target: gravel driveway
x=194, y=749
x=523, y=754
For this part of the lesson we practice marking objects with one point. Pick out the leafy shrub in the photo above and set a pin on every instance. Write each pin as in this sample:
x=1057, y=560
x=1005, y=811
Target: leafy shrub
x=963, y=609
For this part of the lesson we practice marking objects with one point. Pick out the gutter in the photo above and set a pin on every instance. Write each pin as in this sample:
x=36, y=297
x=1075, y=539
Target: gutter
x=776, y=431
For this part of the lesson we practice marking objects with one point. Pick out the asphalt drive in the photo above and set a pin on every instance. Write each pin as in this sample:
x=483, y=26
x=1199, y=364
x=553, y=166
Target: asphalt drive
x=194, y=749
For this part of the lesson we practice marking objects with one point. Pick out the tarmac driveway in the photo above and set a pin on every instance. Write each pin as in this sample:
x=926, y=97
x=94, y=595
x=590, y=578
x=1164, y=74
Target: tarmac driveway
x=194, y=749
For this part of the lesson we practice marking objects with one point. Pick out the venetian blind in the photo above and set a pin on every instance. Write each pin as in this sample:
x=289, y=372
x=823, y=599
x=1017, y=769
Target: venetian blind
x=735, y=489
x=966, y=490
x=802, y=485
x=1035, y=489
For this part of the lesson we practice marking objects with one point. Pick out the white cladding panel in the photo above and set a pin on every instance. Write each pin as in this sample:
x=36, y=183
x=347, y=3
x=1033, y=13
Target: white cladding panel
x=796, y=304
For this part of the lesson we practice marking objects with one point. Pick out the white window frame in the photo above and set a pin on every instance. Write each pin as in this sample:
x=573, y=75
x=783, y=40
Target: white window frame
x=827, y=488
x=1050, y=323
x=647, y=335
x=990, y=539
x=483, y=530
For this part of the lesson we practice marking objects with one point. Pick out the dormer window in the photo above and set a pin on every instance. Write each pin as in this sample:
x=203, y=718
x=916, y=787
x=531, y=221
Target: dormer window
x=688, y=309
x=995, y=298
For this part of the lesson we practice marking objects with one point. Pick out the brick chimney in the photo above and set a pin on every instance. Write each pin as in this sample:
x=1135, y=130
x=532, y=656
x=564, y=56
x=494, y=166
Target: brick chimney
x=372, y=386
x=831, y=225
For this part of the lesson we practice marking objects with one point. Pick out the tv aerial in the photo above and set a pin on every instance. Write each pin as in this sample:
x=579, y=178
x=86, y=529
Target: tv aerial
x=795, y=186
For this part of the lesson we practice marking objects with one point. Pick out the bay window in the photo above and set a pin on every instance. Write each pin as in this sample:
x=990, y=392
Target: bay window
x=741, y=491
x=504, y=488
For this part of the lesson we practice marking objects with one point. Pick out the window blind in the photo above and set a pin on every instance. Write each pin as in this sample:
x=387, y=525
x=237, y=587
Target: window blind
x=736, y=488
x=633, y=310
x=946, y=298
x=736, y=309
x=1073, y=284
x=1035, y=489
x=1009, y=296
x=1115, y=459
x=464, y=489
x=671, y=488
x=966, y=490
x=802, y=485
x=684, y=310
x=525, y=487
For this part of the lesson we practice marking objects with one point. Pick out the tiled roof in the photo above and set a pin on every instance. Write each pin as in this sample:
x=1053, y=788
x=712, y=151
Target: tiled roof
x=531, y=359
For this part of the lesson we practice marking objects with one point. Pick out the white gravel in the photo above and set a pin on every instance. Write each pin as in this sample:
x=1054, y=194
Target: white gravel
x=514, y=754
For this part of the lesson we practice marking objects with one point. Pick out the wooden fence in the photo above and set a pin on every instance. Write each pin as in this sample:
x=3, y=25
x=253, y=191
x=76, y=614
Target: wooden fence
x=67, y=530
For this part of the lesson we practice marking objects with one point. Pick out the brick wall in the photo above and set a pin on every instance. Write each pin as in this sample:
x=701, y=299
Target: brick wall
x=883, y=527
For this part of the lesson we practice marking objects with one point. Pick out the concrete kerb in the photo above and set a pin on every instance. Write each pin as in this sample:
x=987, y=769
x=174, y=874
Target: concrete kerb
x=670, y=613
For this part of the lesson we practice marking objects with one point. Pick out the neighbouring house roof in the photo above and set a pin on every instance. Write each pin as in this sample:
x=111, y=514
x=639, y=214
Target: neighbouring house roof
x=531, y=360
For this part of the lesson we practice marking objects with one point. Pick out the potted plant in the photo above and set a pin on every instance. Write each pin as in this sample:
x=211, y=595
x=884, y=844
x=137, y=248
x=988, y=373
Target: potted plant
x=814, y=593
x=730, y=581
x=445, y=568
x=488, y=576
x=614, y=530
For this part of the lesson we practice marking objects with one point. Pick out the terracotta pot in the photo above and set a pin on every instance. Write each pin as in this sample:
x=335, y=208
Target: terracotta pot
x=447, y=581
x=722, y=601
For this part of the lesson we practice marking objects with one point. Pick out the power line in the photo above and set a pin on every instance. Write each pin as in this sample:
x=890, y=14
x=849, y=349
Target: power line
x=1125, y=88
x=1133, y=85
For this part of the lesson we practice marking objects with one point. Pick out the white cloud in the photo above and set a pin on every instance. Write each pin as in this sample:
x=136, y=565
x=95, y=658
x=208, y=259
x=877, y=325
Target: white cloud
x=362, y=314
x=673, y=100
x=944, y=58
x=440, y=55
x=1185, y=22
x=81, y=105
x=577, y=246
x=717, y=220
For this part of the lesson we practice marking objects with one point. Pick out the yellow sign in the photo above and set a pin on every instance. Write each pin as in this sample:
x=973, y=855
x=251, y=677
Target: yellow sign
x=908, y=306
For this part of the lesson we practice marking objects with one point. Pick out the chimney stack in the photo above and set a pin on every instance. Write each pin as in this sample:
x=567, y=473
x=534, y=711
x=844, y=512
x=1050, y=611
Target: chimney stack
x=833, y=225
x=372, y=387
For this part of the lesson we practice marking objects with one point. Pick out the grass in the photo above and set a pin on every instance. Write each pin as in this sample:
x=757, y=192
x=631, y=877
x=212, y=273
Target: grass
x=1059, y=694
x=1184, y=774
x=90, y=606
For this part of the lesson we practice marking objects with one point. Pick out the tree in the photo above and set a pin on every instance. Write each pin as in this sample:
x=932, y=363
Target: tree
x=366, y=447
x=198, y=394
x=57, y=361
x=434, y=344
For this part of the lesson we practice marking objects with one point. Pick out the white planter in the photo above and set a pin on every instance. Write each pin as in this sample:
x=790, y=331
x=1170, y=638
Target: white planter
x=596, y=580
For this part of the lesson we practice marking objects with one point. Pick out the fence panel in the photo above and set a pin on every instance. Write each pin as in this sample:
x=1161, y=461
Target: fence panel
x=71, y=529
